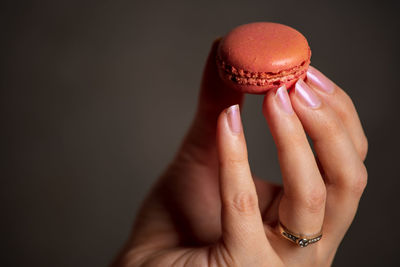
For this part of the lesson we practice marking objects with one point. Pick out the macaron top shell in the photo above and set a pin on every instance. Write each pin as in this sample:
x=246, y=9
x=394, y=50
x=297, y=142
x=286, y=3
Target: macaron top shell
x=264, y=47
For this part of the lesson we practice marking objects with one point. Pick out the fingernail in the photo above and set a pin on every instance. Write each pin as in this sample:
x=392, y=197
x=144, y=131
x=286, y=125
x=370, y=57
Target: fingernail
x=320, y=81
x=283, y=100
x=233, y=115
x=305, y=93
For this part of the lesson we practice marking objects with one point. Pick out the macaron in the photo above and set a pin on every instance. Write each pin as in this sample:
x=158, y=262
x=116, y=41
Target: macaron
x=257, y=57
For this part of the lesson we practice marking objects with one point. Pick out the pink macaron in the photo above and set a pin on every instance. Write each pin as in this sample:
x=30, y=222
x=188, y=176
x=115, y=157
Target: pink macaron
x=256, y=57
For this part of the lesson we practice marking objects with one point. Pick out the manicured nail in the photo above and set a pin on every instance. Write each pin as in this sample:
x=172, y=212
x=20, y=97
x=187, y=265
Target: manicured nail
x=306, y=94
x=233, y=115
x=320, y=81
x=283, y=100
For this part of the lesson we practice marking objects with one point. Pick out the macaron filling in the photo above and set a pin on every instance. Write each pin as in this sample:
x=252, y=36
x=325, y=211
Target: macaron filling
x=244, y=77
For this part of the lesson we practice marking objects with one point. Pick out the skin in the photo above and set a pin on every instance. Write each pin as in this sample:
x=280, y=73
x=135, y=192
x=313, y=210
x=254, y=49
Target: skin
x=208, y=210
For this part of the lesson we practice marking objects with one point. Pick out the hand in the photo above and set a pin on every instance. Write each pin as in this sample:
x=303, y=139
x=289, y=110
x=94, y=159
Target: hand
x=208, y=210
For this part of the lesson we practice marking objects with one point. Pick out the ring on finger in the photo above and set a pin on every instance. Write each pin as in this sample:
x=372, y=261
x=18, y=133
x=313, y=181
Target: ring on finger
x=301, y=240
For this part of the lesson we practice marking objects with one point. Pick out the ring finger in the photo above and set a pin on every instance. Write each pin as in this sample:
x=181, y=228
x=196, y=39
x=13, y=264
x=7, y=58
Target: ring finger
x=345, y=173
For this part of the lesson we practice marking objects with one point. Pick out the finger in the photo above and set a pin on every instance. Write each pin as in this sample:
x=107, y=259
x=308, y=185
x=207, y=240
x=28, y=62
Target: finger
x=214, y=97
x=345, y=173
x=242, y=227
x=303, y=202
x=341, y=103
x=198, y=154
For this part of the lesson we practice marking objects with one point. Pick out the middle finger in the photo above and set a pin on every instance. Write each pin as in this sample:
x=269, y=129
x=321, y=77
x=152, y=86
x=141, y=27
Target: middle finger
x=301, y=208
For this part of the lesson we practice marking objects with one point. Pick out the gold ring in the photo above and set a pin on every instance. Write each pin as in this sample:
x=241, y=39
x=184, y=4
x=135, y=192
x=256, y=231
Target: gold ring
x=299, y=239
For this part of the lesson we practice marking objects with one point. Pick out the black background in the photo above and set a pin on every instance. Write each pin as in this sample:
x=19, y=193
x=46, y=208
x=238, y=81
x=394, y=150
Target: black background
x=95, y=97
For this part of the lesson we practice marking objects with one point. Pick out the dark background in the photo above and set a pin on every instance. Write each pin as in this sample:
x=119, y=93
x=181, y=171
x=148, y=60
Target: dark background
x=96, y=96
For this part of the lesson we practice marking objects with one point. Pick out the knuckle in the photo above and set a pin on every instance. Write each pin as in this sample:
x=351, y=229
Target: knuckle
x=359, y=182
x=236, y=161
x=346, y=103
x=245, y=203
x=363, y=147
x=315, y=199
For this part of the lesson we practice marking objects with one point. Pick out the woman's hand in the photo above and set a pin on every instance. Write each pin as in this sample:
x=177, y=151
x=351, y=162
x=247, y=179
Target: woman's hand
x=208, y=210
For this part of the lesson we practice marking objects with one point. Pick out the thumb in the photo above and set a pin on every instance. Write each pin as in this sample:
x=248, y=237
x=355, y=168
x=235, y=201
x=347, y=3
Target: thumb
x=243, y=231
x=214, y=96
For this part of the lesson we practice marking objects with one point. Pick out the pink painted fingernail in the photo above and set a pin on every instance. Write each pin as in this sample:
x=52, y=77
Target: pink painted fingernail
x=283, y=100
x=320, y=81
x=233, y=115
x=306, y=94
